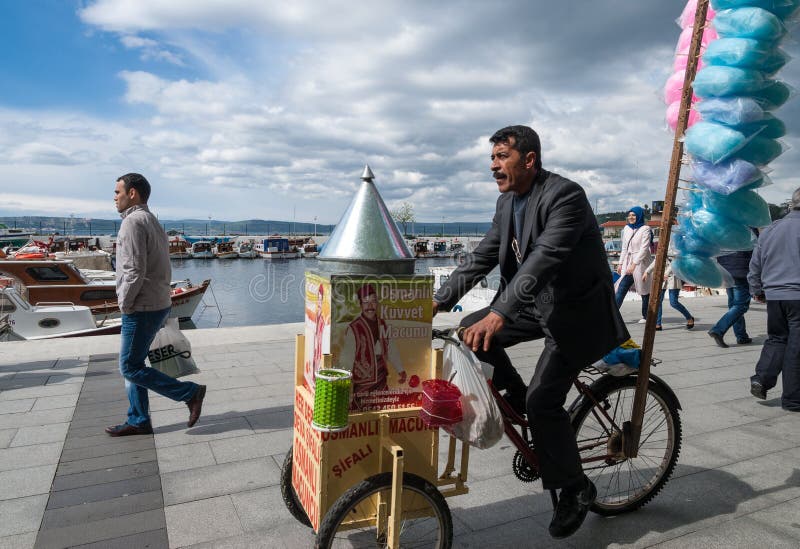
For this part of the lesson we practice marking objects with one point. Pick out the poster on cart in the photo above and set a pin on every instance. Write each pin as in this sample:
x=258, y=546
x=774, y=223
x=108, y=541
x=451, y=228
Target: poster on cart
x=377, y=328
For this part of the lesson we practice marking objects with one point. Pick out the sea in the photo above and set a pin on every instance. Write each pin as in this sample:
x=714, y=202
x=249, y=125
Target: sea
x=249, y=292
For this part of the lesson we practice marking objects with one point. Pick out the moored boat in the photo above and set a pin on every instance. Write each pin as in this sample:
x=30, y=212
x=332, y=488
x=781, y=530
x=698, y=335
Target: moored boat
x=247, y=250
x=50, y=320
x=202, y=250
x=61, y=281
x=224, y=250
x=275, y=248
x=179, y=248
x=309, y=249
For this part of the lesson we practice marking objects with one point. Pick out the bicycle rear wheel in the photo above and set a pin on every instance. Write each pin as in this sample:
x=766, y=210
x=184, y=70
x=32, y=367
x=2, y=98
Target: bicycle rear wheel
x=355, y=521
x=624, y=484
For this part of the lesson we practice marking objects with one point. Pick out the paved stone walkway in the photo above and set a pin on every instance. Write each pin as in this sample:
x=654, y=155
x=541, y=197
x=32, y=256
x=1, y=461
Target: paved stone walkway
x=106, y=491
x=65, y=483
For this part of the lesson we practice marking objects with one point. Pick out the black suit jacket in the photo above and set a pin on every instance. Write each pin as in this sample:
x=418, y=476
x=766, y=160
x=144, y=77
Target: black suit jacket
x=564, y=280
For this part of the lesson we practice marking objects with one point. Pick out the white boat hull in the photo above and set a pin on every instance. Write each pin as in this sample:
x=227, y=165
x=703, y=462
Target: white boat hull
x=52, y=320
x=202, y=255
x=279, y=255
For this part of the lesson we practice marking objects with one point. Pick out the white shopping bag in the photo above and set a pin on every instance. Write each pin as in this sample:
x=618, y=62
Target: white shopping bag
x=482, y=425
x=171, y=352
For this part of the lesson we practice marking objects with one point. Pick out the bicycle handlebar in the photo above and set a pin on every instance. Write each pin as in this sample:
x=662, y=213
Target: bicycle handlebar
x=444, y=335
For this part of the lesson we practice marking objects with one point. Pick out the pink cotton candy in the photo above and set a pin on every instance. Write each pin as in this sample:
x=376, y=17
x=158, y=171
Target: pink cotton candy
x=672, y=115
x=687, y=16
x=685, y=39
x=682, y=60
x=674, y=88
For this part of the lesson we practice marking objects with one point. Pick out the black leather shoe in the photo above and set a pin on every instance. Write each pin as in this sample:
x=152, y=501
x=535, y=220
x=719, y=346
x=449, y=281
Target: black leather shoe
x=195, y=405
x=718, y=340
x=758, y=390
x=571, y=511
x=125, y=430
x=744, y=341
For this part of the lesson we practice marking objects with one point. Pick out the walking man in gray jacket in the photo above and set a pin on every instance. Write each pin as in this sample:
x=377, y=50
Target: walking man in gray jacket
x=775, y=277
x=143, y=294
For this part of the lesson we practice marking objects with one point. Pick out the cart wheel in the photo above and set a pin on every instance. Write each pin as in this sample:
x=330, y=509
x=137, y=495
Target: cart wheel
x=352, y=520
x=289, y=495
x=625, y=484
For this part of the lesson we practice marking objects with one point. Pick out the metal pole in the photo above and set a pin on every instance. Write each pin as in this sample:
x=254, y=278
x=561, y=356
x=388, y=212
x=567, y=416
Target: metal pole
x=632, y=430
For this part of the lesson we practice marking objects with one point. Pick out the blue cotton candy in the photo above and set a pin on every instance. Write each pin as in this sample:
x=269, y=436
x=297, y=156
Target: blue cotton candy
x=774, y=94
x=781, y=8
x=725, y=177
x=730, y=110
x=749, y=23
x=786, y=9
x=686, y=241
x=775, y=61
x=760, y=151
x=763, y=182
x=769, y=126
x=713, y=142
x=697, y=270
x=744, y=206
x=718, y=81
x=744, y=53
x=722, y=231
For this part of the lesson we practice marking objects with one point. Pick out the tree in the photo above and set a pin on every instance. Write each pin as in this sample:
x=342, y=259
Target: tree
x=777, y=212
x=404, y=214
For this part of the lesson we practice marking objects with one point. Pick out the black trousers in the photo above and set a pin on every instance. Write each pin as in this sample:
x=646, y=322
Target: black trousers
x=553, y=437
x=781, y=351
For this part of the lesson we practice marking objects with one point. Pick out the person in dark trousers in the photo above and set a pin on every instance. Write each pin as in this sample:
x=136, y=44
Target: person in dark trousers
x=738, y=265
x=554, y=279
x=143, y=294
x=775, y=278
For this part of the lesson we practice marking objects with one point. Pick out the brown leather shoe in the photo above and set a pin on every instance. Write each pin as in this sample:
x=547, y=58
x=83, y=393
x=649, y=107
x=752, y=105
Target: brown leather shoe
x=125, y=430
x=195, y=405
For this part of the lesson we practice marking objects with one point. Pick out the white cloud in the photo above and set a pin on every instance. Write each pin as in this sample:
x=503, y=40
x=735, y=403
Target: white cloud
x=57, y=205
x=245, y=108
x=151, y=50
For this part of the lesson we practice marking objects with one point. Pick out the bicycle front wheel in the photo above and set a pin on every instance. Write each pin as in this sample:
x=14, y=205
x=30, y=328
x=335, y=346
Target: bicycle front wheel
x=359, y=517
x=625, y=484
x=290, y=498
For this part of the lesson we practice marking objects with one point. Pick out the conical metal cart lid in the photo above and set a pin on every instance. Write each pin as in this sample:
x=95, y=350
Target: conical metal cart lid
x=367, y=233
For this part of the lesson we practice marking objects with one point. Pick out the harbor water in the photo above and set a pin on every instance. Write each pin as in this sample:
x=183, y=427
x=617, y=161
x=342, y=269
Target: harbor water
x=248, y=292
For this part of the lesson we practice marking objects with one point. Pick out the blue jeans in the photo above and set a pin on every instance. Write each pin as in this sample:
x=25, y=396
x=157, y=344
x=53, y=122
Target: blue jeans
x=674, y=293
x=738, y=304
x=138, y=331
x=622, y=290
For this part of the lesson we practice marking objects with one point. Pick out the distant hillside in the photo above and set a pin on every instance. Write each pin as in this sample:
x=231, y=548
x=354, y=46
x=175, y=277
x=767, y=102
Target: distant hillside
x=74, y=225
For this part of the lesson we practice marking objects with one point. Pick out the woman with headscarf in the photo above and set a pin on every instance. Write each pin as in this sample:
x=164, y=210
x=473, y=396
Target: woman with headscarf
x=635, y=258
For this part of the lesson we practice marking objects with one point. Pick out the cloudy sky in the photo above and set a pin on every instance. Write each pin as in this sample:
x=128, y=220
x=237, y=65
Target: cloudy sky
x=242, y=109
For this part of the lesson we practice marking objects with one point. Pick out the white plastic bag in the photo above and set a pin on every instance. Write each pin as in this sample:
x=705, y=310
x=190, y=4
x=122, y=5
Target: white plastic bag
x=482, y=425
x=171, y=352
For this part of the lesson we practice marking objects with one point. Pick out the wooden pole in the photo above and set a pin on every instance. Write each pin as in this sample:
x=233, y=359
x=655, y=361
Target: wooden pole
x=632, y=430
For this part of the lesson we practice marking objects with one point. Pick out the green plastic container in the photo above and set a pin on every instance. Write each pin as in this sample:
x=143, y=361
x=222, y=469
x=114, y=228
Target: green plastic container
x=331, y=400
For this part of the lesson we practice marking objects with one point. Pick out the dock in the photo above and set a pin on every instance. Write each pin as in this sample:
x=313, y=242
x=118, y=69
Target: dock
x=64, y=483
